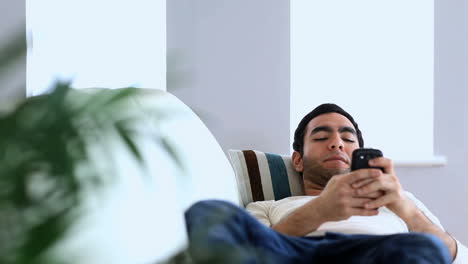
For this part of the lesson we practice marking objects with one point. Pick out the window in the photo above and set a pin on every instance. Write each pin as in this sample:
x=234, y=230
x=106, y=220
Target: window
x=376, y=60
x=110, y=44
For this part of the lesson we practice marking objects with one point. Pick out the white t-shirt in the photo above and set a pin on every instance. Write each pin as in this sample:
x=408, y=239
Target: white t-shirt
x=385, y=222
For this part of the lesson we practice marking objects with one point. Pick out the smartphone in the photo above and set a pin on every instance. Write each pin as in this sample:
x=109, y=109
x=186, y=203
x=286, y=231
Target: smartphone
x=361, y=156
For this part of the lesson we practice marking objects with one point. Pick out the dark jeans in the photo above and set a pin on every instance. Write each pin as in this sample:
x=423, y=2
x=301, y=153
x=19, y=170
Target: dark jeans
x=220, y=232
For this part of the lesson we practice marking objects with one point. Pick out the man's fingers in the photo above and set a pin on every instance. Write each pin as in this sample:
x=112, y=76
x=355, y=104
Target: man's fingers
x=362, y=174
x=373, y=187
x=382, y=201
x=359, y=202
x=383, y=162
x=363, y=212
x=376, y=194
x=372, y=195
x=361, y=183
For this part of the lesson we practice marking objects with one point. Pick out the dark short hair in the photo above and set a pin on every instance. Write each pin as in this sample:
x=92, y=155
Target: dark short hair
x=298, y=144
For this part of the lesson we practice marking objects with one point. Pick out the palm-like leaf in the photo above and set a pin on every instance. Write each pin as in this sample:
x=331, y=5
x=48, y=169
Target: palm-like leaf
x=43, y=142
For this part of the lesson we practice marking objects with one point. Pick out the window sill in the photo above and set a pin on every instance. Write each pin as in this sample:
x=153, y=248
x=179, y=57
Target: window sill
x=434, y=161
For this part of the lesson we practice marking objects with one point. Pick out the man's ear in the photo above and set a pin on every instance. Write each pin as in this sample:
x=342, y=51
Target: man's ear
x=297, y=161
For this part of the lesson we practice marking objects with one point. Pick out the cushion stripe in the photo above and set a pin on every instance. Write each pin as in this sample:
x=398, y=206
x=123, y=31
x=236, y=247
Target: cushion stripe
x=279, y=176
x=294, y=178
x=265, y=176
x=254, y=175
x=238, y=162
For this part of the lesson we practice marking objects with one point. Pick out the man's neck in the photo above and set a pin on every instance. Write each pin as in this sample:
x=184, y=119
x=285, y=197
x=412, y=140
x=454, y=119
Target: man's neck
x=311, y=188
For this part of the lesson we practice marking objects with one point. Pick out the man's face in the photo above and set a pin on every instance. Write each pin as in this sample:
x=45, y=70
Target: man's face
x=329, y=141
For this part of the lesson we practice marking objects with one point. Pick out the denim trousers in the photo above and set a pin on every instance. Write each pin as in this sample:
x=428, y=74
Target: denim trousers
x=221, y=232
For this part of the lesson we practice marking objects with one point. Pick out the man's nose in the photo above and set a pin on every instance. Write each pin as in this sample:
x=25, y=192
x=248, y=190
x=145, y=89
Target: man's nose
x=336, y=143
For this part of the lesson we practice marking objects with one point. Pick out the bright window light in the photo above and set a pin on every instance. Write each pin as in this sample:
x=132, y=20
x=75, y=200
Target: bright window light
x=109, y=44
x=376, y=60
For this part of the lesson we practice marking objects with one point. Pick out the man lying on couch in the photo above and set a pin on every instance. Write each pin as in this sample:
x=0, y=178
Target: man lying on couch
x=363, y=216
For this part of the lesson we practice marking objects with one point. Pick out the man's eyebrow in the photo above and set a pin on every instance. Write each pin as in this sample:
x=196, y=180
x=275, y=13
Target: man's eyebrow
x=345, y=129
x=320, y=129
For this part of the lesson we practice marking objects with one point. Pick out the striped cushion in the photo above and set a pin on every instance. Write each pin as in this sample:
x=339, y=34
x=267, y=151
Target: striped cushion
x=264, y=176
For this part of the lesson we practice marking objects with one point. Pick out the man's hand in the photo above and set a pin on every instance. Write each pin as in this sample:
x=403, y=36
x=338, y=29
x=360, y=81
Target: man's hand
x=393, y=195
x=395, y=200
x=339, y=200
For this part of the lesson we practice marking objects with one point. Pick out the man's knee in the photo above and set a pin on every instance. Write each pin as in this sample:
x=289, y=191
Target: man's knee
x=210, y=207
x=212, y=239
x=210, y=212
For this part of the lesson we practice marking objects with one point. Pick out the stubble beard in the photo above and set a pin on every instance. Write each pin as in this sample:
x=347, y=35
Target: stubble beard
x=319, y=175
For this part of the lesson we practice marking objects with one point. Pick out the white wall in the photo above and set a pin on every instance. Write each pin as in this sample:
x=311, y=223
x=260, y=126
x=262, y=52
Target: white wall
x=237, y=54
x=12, y=21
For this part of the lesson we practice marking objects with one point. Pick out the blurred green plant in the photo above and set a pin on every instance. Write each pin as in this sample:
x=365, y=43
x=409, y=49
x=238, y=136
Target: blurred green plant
x=46, y=165
x=44, y=146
